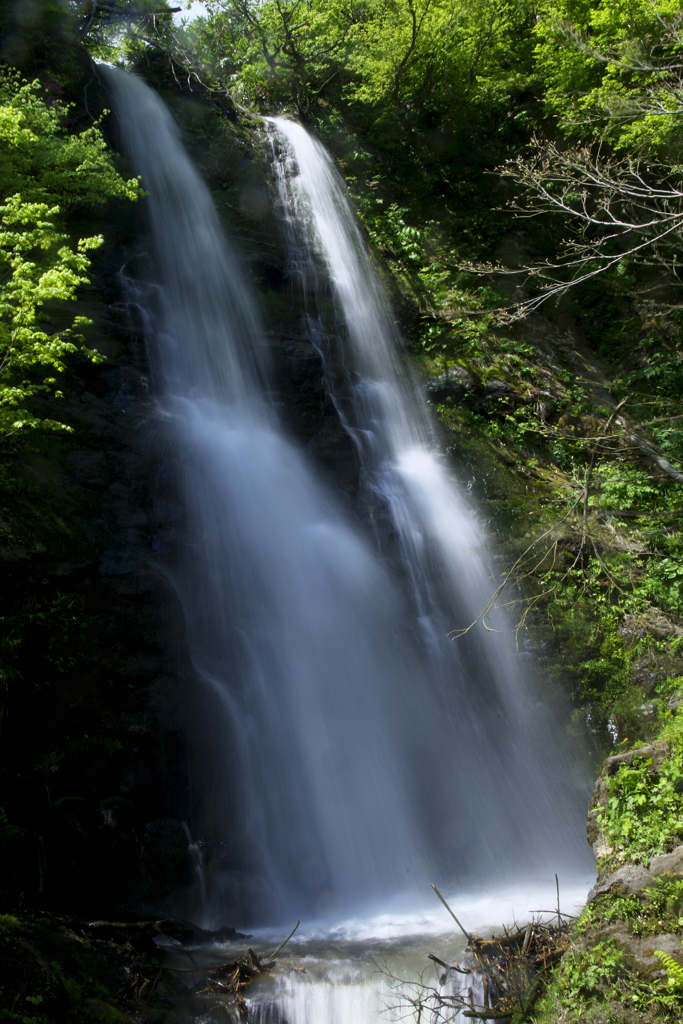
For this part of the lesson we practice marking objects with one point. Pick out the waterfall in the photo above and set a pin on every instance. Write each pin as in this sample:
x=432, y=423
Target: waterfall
x=344, y=753
x=293, y=626
x=503, y=743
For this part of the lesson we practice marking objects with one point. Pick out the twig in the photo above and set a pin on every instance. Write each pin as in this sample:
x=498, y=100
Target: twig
x=591, y=464
x=449, y=967
x=283, y=944
x=457, y=633
x=466, y=934
x=572, y=917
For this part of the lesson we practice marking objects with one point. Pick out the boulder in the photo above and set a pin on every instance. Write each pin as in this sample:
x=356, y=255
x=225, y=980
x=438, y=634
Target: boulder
x=668, y=863
x=627, y=881
x=642, y=949
x=655, y=752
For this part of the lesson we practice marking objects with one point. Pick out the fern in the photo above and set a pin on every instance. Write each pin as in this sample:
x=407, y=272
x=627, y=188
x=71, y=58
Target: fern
x=673, y=968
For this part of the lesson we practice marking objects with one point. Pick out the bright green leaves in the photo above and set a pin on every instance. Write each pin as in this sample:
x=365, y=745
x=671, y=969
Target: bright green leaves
x=282, y=52
x=614, y=66
x=431, y=54
x=13, y=130
x=45, y=163
x=598, y=979
x=644, y=810
x=674, y=970
x=617, y=487
x=44, y=171
x=590, y=974
x=36, y=267
x=442, y=52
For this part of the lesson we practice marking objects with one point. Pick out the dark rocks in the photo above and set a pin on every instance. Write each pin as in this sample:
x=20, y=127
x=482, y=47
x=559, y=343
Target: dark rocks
x=652, y=622
x=97, y=658
x=648, y=671
x=166, y=862
x=454, y=384
x=458, y=386
x=65, y=968
x=497, y=388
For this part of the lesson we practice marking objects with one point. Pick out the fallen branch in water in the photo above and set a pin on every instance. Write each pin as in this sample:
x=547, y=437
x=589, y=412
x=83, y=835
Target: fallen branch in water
x=500, y=979
x=229, y=980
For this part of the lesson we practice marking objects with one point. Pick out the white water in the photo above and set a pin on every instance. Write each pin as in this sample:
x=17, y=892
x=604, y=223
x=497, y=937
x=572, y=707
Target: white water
x=345, y=754
x=379, y=400
x=366, y=971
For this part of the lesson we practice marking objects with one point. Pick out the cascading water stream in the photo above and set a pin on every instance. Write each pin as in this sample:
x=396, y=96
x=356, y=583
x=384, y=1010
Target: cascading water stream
x=345, y=753
x=377, y=395
x=504, y=744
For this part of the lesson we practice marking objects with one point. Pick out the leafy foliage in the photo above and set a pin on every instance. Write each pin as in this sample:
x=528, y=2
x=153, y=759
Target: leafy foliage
x=644, y=810
x=600, y=980
x=426, y=53
x=614, y=68
x=45, y=173
x=29, y=232
x=673, y=968
x=590, y=974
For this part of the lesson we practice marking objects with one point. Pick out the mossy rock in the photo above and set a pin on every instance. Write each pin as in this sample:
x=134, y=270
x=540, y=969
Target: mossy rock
x=48, y=973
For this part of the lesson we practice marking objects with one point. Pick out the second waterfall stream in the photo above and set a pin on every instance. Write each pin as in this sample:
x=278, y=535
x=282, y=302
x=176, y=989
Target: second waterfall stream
x=347, y=752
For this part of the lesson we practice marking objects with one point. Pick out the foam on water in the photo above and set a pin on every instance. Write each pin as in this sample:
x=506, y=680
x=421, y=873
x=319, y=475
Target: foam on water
x=364, y=971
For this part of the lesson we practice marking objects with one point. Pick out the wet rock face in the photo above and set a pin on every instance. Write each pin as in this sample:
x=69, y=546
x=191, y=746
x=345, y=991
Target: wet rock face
x=164, y=858
x=95, y=664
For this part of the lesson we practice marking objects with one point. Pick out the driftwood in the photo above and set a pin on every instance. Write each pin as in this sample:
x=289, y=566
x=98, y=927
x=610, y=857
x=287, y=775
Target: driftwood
x=229, y=980
x=509, y=970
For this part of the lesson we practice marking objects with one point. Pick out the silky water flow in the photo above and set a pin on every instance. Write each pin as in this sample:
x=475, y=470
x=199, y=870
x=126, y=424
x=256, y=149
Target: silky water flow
x=346, y=752
x=490, y=728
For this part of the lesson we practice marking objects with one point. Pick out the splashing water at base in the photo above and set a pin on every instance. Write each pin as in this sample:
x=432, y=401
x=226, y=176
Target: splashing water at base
x=373, y=970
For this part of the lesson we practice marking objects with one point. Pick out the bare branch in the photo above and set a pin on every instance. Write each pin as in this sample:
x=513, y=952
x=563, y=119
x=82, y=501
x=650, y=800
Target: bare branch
x=617, y=210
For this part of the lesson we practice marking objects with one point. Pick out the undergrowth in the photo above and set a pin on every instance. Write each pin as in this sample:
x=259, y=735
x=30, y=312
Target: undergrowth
x=615, y=972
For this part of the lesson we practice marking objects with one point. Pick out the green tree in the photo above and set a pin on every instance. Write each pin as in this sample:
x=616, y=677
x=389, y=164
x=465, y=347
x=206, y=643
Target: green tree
x=282, y=52
x=613, y=69
x=45, y=174
x=424, y=54
x=439, y=55
x=613, y=77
